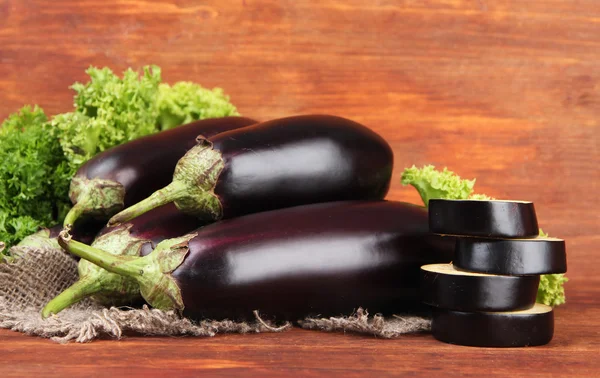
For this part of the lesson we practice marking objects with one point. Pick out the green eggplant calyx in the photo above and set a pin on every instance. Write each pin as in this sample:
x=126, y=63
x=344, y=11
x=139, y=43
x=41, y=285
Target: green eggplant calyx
x=157, y=285
x=152, y=272
x=192, y=188
x=94, y=197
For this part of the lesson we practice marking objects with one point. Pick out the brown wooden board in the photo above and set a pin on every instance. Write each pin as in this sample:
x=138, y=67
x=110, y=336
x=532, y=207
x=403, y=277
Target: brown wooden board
x=507, y=92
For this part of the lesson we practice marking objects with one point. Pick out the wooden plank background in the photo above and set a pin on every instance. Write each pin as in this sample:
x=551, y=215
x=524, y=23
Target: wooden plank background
x=503, y=91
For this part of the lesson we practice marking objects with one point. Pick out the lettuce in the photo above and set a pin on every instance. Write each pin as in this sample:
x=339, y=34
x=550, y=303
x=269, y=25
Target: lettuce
x=31, y=164
x=186, y=102
x=108, y=111
x=435, y=184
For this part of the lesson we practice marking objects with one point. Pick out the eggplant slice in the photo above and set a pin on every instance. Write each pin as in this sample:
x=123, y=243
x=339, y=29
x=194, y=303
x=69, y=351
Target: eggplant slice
x=531, y=327
x=492, y=219
x=444, y=286
x=513, y=257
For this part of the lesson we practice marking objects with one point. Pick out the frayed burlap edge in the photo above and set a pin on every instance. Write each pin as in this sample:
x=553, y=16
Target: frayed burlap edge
x=377, y=325
x=88, y=324
x=34, y=276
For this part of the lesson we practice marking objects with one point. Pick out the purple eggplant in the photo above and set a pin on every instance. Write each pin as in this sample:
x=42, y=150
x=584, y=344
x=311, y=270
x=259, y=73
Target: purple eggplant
x=128, y=173
x=281, y=163
x=321, y=259
x=136, y=238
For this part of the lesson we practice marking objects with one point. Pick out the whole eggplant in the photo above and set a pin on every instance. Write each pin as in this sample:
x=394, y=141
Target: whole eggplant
x=280, y=163
x=128, y=173
x=321, y=259
x=136, y=238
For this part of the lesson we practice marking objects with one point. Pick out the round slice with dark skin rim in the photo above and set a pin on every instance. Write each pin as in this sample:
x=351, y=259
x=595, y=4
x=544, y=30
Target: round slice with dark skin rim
x=321, y=259
x=531, y=327
x=513, y=257
x=128, y=173
x=136, y=238
x=446, y=287
x=276, y=164
x=484, y=218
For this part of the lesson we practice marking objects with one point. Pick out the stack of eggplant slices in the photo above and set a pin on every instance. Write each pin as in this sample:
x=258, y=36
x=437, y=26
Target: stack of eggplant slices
x=487, y=296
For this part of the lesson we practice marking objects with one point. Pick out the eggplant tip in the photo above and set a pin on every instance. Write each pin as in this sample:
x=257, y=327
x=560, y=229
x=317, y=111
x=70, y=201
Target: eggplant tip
x=112, y=222
x=202, y=140
x=45, y=314
x=64, y=236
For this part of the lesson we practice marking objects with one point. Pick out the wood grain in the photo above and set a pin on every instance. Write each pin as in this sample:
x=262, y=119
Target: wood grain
x=573, y=352
x=504, y=91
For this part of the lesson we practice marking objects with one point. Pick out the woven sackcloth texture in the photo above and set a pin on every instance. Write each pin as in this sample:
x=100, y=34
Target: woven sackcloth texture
x=31, y=277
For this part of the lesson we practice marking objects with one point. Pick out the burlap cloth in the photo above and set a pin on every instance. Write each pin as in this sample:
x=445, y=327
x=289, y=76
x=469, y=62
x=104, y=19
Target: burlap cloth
x=34, y=276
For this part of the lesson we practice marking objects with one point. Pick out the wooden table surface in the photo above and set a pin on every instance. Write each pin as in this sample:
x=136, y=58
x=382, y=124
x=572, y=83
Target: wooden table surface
x=504, y=91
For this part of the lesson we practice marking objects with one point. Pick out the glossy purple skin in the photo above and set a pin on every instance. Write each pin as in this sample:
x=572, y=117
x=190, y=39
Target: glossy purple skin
x=300, y=160
x=156, y=225
x=145, y=165
x=54, y=231
x=488, y=219
x=323, y=259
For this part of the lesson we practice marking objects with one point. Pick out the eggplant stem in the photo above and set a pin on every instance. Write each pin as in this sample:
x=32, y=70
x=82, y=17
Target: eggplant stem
x=127, y=266
x=151, y=272
x=71, y=295
x=161, y=197
x=76, y=211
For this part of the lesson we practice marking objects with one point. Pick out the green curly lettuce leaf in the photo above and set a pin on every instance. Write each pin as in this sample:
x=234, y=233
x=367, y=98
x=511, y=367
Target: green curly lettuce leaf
x=432, y=183
x=186, y=102
x=31, y=164
x=109, y=110
x=551, y=291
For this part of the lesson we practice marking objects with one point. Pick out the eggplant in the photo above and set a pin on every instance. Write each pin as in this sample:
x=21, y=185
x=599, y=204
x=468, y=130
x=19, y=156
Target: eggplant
x=484, y=218
x=531, y=327
x=280, y=163
x=321, y=259
x=513, y=257
x=444, y=286
x=136, y=238
x=128, y=173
